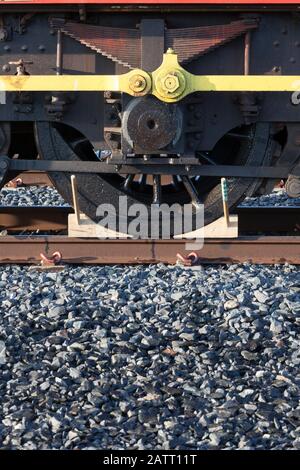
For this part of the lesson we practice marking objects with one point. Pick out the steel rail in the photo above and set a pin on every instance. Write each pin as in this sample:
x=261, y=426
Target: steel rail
x=33, y=178
x=16, y=219
x=259, y=250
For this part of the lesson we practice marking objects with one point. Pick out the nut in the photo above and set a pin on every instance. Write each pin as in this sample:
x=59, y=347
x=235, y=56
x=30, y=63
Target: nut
x=137, y=83
x=170, y=83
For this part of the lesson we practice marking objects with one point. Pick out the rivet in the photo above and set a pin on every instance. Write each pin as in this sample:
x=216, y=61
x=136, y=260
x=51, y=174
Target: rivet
x=6, y=48
x=6, y=68
x=292, y=60
x=276, y=43
x=24, y=47
x=41, y=48
x=297, y=44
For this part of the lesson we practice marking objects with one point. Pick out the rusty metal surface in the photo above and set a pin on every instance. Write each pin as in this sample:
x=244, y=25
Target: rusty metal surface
x=122, y=45
x=251, y=219
x=19, y=219
x=269, y=219
x=190, y=43
x=35, y=178
x=125, y=47
x=254, y=249
x=260, y=250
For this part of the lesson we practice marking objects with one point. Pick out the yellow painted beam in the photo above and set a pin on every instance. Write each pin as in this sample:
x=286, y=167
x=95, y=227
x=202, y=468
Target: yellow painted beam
x=70, y=82
x=118, y=83
x=59, y=83
x=170, y=82
x=288, y=83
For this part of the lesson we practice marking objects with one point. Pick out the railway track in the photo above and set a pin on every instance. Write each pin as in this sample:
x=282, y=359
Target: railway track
x=252, y=249
x=16, y=219
x=31, y=178
x=22, y=243
x=29, y=231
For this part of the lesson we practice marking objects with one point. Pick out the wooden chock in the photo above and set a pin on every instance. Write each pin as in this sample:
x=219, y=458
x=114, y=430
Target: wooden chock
x=225, y=200
x=75, y=198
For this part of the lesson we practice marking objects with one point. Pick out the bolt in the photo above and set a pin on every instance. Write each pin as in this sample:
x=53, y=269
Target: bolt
x=137, y=83
x=170, y=83
x=276, y=69
x=3, y=164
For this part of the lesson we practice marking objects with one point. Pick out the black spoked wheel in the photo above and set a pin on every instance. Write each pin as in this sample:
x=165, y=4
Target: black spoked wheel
x=247, y=145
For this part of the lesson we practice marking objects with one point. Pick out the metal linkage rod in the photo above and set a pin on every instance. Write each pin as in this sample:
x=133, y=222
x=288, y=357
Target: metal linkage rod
x=169, y=83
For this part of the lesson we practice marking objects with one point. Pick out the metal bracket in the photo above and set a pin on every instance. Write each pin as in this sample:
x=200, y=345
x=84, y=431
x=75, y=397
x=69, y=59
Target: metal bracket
x=236, y=171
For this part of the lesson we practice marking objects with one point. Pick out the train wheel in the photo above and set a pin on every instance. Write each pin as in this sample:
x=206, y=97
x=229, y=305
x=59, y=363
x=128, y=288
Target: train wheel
x=17, y=140
x=5, y=136
x=248, y=145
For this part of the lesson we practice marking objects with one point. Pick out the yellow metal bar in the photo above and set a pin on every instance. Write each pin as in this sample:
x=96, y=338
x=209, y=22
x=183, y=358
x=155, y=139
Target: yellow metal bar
x=119, y=83
x=245, y=83
x=170, y=82
x=136, y=83
x=64, y=83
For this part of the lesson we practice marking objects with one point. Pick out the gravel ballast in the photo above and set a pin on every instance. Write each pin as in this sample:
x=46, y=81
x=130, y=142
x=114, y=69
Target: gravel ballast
x=47, y=196
x=150, y=358
x=31, y=196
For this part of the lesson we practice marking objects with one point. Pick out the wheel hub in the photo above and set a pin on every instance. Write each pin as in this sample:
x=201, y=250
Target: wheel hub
x=150, y=125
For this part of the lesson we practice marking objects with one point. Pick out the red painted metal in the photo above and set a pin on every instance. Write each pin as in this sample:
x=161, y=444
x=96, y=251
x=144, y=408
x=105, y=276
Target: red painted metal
x=162, y=2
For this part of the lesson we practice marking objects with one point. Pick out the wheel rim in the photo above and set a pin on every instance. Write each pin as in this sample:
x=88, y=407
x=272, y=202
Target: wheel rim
x=253, y=146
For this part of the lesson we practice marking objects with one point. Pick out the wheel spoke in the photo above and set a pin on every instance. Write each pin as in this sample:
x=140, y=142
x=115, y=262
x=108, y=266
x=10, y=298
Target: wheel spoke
x=191, y=189
x=128, y=180
x=142, y=182
x=176, y=182
x=235, y=135
x=207, y=158
x=156, y=189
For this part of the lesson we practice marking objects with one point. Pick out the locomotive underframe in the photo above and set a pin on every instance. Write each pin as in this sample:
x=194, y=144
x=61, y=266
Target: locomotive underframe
x=207, y=117
x=244, y=135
